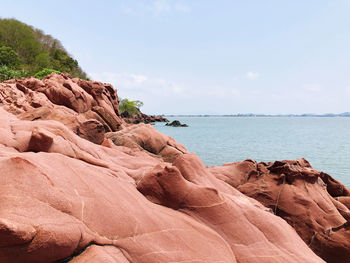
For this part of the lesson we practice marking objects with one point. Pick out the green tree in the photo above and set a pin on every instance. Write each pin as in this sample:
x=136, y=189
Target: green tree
x=42, y=60
x=21, y=38
x=7, y=73
x=129, y=106
x=35, y=50
x=9, y=57
x=43, y=73
x=138, y=104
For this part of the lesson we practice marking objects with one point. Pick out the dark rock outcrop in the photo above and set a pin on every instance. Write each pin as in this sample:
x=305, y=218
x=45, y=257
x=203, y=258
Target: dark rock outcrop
x=142, y=118
x=176, y=123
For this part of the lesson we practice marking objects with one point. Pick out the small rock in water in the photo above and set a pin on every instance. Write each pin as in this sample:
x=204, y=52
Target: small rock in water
x=176, y=123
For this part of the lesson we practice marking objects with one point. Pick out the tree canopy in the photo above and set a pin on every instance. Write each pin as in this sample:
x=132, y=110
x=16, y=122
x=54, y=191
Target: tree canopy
x=43, y=73
x=26, y=50
x=8, y=57
x=131, y=107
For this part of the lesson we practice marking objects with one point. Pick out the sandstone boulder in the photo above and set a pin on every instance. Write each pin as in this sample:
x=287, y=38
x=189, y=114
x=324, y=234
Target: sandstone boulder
x=312, y=202
x=73, y=102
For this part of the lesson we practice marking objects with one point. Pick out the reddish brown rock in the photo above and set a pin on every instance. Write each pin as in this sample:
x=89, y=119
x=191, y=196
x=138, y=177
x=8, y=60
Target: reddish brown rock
x=105, y=254
x=55, y=203
x=345, y=200
x=92, y=130
x=144, y=136
x=139, y=196
x=40, y=141
x=67, y=193
x=316, y=205
x=74, y=102
x=189, y=188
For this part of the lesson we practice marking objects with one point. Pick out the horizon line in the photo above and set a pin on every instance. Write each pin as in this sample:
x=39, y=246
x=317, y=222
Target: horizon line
x=343, y=114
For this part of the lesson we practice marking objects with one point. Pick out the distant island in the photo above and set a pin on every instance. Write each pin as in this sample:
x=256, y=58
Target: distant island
x=344, y=114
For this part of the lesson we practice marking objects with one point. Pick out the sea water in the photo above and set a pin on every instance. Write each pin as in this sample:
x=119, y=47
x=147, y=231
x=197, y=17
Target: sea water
x=324, y=142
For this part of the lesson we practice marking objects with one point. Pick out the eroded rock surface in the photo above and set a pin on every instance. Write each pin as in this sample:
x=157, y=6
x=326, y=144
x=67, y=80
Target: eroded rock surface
x=77, y=184
x=312, y=202
x=145, y=137
x=73, y=102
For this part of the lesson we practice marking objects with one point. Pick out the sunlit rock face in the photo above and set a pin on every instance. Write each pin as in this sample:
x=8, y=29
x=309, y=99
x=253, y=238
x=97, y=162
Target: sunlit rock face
x=88, y=108
x=78, y=184
x=312, y=202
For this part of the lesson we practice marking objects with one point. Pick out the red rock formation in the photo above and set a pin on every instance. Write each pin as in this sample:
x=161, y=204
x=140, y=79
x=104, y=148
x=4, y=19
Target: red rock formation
x=137, y=197
x=316, y=205
x=145, y=137
x=83, y=106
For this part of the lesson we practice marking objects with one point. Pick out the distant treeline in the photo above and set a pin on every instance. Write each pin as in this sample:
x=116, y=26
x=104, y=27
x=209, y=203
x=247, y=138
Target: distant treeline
x=26, y=51
x=344, y=114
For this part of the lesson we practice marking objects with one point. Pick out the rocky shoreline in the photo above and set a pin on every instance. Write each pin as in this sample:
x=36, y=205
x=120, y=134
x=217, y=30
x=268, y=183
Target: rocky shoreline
x=80, y=184
x=143, y=118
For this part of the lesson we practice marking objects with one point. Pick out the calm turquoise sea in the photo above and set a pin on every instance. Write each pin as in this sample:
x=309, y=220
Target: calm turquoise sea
x=324, y=142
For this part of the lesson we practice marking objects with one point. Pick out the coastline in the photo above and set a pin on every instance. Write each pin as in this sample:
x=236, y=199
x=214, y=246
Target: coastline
x=218, y=140
x=345, y=114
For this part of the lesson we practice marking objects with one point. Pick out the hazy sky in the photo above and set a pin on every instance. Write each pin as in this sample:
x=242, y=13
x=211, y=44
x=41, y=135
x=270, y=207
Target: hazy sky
x=207, y=56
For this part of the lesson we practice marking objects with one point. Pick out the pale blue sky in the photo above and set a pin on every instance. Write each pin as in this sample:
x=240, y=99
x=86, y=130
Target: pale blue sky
x=206, y=56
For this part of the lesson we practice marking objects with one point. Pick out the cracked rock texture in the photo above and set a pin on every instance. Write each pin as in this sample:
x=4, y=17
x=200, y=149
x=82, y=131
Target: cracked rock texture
x=315, y=204
x=88, y=108
x=78, y=184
